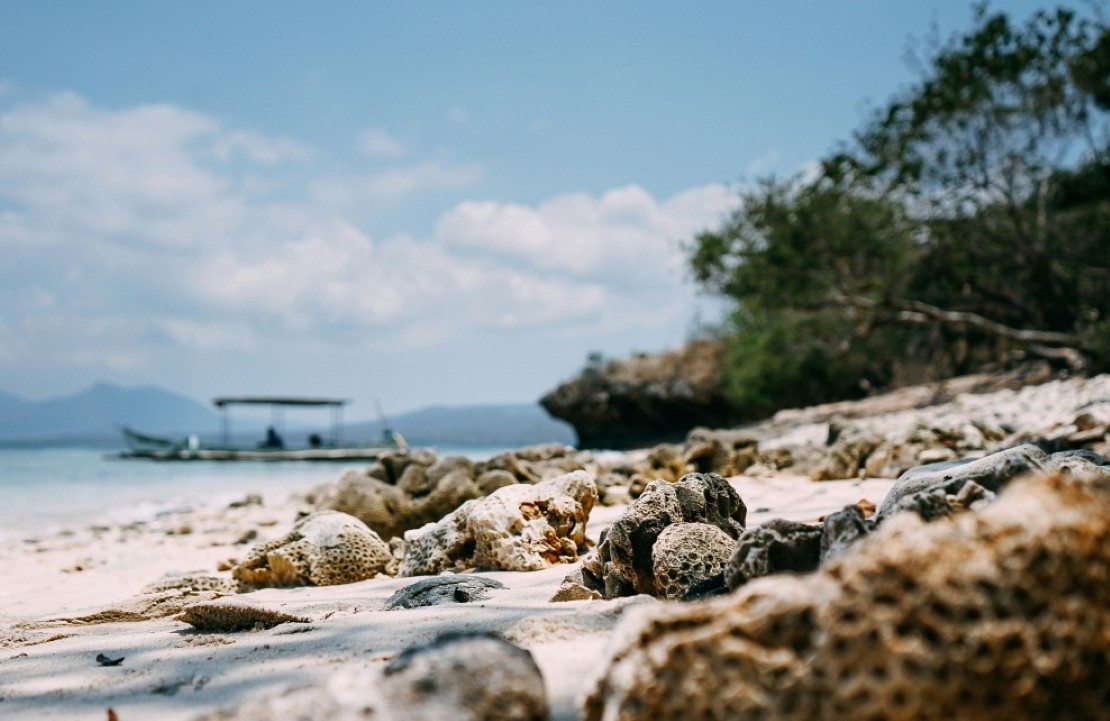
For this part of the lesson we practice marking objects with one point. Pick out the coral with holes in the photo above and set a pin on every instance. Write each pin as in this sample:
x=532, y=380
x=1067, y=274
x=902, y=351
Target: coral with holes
x=1002, y=613
x=623, y=563
x=686, y=554
x=323, y=549
x=516, y=528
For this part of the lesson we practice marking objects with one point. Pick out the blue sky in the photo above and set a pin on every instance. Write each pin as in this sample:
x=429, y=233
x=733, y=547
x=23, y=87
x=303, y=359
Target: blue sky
x=423, y=203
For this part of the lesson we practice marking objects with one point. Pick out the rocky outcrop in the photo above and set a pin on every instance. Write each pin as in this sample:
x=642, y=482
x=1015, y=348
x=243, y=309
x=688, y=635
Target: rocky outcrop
x=999, y=613
x=323, y=549
x=636, y=555
x=644, y=400
x=516, y=528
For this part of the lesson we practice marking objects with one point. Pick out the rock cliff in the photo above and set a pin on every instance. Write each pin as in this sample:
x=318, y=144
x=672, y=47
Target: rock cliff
x=644, y=400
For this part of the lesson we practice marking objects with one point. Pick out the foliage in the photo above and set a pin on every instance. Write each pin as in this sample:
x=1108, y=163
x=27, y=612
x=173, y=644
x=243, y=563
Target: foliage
x=969, y=220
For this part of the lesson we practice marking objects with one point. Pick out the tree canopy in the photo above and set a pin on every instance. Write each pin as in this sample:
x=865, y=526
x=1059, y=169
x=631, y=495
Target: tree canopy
x=966, y=223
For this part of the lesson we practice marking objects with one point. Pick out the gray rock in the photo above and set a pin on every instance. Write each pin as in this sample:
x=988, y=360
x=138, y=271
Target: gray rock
x=442, y=590
x=465, y=677
x=776, y=546
x=991, y=472
x=842, y=529
x=623, y=563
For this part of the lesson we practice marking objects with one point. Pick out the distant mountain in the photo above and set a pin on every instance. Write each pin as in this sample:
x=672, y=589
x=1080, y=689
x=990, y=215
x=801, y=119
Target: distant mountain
x=96, y=412
x=92, y=418
x=493, y=425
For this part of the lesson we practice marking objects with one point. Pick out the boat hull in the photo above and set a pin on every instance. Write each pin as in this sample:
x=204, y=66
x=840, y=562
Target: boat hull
x=226, y=454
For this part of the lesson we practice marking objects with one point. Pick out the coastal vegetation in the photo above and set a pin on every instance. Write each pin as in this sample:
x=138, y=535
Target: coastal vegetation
x=964, y=227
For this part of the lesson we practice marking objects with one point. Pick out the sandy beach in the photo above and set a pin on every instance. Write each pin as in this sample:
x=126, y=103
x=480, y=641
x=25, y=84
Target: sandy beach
x=79, y=593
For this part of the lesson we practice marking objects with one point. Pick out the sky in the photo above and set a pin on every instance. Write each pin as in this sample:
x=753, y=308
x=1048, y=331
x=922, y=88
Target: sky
x=431, y=203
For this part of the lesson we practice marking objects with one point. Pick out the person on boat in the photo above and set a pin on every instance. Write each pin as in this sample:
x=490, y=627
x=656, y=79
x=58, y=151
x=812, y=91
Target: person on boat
x=273, y=440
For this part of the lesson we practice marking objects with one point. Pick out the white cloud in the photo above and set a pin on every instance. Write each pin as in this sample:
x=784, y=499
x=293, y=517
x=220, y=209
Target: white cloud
x=153, y=229
x=626, y=233
x=377, y=142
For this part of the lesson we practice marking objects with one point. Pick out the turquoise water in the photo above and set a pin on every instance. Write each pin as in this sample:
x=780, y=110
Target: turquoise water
x=41, y=489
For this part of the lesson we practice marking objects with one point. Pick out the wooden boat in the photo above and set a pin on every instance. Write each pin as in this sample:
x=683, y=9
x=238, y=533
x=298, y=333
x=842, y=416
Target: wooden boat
x=272, y=448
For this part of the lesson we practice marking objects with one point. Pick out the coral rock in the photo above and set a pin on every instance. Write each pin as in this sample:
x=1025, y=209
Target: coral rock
x=230, y=616
x=623, y=564
x=323, y=549
x=686, y=554
x=517, y=528
x=1001, y=613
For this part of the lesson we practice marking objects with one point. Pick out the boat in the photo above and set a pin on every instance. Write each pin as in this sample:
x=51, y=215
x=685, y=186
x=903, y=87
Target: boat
x=271, y=448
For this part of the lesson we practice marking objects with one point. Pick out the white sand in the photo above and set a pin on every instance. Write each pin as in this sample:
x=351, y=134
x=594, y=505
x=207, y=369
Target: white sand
x=48, y=668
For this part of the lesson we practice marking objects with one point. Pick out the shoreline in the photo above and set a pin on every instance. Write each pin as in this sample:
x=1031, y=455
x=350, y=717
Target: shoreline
x=172, y=673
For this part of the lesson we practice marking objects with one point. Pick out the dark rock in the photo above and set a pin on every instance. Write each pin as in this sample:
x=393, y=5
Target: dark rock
x=643, y=400
x=776, y=546
x=465, y=677
x=623, y=564
x=842, y=529
x=442, y=590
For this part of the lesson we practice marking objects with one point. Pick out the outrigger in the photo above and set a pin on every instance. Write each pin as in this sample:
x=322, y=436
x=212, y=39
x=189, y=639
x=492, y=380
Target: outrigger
x=272, y=448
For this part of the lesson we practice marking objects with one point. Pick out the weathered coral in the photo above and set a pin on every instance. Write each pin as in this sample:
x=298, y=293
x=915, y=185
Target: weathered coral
x=465, y=677
x=517, y=528
x=1001, y=613
x=776, y=546
x=231, y=615
x=623, y=564
x=323, y=549
x=686, y=554
x=395, y=496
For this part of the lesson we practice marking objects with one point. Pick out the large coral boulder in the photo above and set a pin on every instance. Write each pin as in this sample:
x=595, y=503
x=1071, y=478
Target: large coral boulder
x=1000, y=613
x=628, y=559
x=516, y=528
x=323, y=549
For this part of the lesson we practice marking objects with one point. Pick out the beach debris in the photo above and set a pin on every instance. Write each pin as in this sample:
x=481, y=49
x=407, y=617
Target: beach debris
x=464, y=677
x=623, y=564
x=572, y=591
x=442, y=590
x=323, y=549
x=516, y=528
x=112, y=715
x=999, y=613
x=103, y=660
x=233, y=615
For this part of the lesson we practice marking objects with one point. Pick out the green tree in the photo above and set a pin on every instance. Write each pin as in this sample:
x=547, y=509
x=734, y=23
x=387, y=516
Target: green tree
x=968, y=220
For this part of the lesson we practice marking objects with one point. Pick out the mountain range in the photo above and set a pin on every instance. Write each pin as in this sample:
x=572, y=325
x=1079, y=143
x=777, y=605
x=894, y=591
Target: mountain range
x=93, y=416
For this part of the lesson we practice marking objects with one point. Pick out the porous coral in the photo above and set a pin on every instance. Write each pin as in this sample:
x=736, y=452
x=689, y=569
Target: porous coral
x=516, y=528
x=1002, y=613
x=323, y=549
x=686, y=554
x=623, y=563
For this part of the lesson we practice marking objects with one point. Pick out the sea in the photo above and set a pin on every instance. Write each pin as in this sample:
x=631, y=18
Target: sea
x=43, y=490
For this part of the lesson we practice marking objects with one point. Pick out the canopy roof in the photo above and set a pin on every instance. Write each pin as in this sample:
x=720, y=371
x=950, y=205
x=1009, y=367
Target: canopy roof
x=277, y=401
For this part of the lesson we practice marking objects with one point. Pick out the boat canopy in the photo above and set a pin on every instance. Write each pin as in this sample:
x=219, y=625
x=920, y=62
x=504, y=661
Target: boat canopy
x=276, y=401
